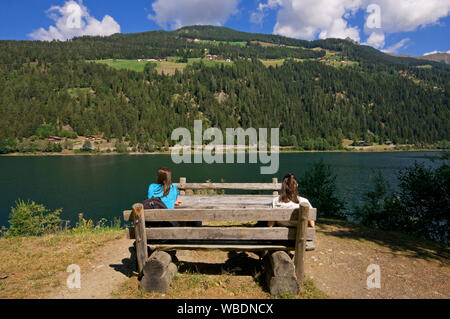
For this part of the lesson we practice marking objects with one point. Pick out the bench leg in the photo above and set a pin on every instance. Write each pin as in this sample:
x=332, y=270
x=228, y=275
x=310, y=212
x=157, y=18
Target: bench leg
x=300, y=243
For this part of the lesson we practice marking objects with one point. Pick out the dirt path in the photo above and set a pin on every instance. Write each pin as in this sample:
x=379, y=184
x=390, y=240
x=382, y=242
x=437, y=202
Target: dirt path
x=337, y=267
x=408, y=269
x=99, y=278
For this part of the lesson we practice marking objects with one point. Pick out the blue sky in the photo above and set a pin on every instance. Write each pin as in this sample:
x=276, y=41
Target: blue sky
x=419, y=27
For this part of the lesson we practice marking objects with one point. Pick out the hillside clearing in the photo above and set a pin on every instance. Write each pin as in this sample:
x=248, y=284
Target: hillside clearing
x=168, y=67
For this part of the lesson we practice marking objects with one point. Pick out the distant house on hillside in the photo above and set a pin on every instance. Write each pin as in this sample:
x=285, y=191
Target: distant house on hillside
x=94, y=138
x=156, y=60
x=211, y=57
x=54, y=139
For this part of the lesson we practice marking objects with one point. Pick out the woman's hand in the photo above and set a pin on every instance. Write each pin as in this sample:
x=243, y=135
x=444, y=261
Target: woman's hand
x=178, y=203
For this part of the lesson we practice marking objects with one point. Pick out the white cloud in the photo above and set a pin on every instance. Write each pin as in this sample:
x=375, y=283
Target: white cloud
x=73, y=20
x=310, y=19
x=408, y=15
x=434, y=52
x=173, y=14
x=258, y=15
x=397, y=46
x=376, y=39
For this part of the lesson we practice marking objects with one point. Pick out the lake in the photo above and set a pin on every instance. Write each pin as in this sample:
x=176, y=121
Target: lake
x=103, y=186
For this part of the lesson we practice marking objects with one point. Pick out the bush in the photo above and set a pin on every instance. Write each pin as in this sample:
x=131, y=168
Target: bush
x=319, y=186
x=121, y=147
x=8, y=146
x=68, y=134
x=45, y=131
x=443, y=145
x=420, y=207
x=31, y=219
x=376, y=212
x=87, y=147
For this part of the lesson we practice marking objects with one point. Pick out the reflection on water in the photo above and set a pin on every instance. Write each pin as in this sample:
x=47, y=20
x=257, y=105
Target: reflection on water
x=103, y=186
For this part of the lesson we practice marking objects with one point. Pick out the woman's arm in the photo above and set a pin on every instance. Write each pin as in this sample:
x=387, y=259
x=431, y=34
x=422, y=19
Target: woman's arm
x=177, y=201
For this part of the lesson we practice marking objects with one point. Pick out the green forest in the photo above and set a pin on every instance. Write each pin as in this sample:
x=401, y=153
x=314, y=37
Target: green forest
x=365, y=95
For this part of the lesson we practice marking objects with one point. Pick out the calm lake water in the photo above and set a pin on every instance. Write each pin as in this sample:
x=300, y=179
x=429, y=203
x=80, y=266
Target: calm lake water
x=103, y=186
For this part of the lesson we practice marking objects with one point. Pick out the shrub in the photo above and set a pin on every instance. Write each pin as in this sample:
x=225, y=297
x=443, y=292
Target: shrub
x=420, y=207
x=87, y=147
x=68, y=134
x=376, y=211
x=31, y=219
x=319, y=185
x=8, y=146
x=45, y=131
x=121, y=147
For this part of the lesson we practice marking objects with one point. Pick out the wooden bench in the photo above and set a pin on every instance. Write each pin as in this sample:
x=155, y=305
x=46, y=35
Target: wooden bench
x=220, y=211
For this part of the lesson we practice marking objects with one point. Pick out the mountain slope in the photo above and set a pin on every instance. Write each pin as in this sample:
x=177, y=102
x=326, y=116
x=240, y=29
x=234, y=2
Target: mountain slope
x=316, y=92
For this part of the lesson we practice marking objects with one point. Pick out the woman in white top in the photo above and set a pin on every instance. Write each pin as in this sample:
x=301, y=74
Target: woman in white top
x=289, y=199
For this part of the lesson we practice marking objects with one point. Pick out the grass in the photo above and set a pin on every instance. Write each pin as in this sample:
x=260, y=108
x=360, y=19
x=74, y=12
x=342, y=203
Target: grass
x=33, y=266
x=196, y=285
x=216, y=43
x=272, y=62
x=118, y=64
x=168, y=67
x=80, y=91
x=426, y=66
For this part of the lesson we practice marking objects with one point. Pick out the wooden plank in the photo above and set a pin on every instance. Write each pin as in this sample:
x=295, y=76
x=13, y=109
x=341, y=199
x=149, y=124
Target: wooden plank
x=234, y=201
x=311, y=233
x=230, y=214
x=242, y=186
x=300, y=243
x=275, y=181
x=221, y=233
x=141, y=236
x=182, y=182
x=168, y=247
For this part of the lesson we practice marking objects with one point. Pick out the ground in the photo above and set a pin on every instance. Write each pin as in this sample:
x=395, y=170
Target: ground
x=410, y=268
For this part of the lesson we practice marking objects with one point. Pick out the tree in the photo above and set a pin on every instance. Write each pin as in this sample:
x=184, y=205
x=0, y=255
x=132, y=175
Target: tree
x=318, y=184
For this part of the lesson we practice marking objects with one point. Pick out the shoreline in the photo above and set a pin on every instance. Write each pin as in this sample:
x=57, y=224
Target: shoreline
x=169, y=153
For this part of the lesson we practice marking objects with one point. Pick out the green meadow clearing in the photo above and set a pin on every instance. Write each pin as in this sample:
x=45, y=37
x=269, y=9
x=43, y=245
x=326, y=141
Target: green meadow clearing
x=216, y=43
x=168, y=67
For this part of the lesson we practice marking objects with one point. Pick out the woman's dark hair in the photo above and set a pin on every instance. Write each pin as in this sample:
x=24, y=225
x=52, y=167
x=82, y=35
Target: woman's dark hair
x=289, y=189
x=165, y=179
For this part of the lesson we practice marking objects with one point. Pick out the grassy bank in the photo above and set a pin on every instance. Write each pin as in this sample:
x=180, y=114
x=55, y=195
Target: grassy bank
x=31, y=267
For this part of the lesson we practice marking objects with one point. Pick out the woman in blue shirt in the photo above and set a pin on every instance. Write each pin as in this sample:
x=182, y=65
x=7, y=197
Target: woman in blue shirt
x=164, y=189
x=168, y=193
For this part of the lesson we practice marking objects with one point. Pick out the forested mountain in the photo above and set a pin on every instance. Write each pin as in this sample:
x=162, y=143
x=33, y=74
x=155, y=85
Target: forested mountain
x=318, y=92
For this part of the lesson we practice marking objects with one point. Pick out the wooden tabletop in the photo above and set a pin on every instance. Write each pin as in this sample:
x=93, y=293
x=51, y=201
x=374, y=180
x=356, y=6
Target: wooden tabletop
x=225, y=201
